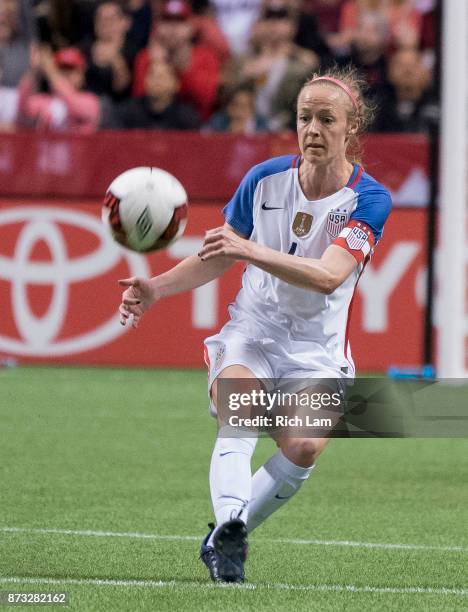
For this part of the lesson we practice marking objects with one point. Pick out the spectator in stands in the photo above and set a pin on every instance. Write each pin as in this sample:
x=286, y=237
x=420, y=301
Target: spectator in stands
x=308, y=33
x=159, y=108
x=236, y=20
x=428, y=12
x=402, y=19
x=65, y=107
x=16, y=35
x=197, y=67
x=141, y=17
x=276, y=66
x=406, y=102
x=15, y=38
x=8, y=108
x=55, y=21
x=369, y=43
x=327, y=13
x=209, y=34
x=111, y=54
x=63, y=23
x=70, y=22
x=239, y=115
x=405, y=23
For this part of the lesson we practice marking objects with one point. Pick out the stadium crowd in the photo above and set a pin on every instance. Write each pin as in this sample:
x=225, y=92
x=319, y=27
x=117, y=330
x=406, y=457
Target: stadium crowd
x=215, y=65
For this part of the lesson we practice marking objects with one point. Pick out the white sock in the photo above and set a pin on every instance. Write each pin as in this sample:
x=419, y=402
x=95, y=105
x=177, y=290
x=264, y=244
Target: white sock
x=272, y=485
x=231, y=478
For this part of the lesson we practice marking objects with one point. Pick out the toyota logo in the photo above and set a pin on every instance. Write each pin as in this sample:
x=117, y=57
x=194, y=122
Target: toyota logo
x=38, y=335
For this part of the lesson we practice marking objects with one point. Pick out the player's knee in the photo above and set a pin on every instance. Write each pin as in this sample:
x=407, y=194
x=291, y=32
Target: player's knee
x=301, y=451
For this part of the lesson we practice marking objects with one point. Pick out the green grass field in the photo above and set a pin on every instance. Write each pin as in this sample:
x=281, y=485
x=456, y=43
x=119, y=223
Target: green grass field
x=104, y=494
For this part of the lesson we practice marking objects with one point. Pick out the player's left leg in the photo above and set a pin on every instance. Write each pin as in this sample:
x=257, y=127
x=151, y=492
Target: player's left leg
x=281, y=477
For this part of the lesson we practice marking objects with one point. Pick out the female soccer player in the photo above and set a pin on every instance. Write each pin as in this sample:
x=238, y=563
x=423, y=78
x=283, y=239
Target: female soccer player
x=306, y=226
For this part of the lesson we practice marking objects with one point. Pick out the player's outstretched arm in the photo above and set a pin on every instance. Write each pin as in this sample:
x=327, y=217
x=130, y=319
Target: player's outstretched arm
x=141, y=293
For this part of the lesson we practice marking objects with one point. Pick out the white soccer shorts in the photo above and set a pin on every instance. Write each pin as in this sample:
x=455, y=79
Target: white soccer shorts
x=272, y=360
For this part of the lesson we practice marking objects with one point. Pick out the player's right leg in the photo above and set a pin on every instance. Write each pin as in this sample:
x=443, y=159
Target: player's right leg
x=224, y=550
x=230, y=473
x=232, y=355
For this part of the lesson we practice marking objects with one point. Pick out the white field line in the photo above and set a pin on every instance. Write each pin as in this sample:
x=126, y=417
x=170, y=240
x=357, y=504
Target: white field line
x=179, y=538
x=158, y=584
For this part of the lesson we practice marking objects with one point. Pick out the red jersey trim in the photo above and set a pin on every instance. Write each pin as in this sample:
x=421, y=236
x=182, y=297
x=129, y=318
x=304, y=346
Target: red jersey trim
x=295, y=161
x=350, y=310
x=357, y=178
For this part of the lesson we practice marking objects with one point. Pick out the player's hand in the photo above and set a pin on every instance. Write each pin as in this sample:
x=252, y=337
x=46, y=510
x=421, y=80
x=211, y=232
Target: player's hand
x=222, y=242
x=136, y=299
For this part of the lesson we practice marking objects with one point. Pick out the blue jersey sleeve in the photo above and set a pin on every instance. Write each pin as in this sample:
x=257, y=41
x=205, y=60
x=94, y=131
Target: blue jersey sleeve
x=373, y=207
x=238, y=212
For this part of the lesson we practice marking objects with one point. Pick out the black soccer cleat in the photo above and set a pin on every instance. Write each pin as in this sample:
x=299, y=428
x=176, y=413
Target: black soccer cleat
x=210, y=557
x=230, y=544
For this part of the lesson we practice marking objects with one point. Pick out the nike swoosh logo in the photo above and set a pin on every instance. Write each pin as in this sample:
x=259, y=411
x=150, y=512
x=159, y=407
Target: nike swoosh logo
x=265, y=207
x=279, y=497
x=226, y=453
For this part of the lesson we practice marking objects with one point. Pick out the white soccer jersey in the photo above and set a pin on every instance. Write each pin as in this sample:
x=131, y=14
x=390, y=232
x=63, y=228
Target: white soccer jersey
x=270, y=208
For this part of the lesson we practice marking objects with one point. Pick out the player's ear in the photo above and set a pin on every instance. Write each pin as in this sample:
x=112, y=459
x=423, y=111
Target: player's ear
x=352, y=128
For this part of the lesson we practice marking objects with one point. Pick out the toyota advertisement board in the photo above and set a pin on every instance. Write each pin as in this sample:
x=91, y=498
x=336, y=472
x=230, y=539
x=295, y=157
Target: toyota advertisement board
x=59, y=292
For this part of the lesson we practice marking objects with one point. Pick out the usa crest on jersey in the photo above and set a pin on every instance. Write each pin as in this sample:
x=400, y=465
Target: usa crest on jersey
x=336, y=221
x=302, y=224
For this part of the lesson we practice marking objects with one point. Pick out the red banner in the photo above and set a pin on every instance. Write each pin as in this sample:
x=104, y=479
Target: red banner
x=209, y=166
x=59, y=292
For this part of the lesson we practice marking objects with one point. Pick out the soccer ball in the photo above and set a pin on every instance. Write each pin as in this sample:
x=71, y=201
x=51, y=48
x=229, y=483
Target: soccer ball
x=145, y=209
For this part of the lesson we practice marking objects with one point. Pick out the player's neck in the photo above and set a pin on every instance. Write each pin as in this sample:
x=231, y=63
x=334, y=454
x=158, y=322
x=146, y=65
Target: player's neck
x=320, y=181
